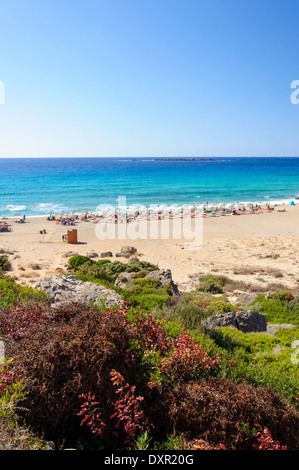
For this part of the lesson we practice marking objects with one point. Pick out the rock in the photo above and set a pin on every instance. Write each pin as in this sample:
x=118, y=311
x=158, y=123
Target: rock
x=221, y=320
x=165, y=278
x=247, y=321
x=69, y=254
x=70, y=288
x=122, y=255
x=92, y=254
x=4, y=251
x=128, y=250
x=35, y=266
x=250, y=321
x=133, y=259
x=106, y=254
x=242, y=299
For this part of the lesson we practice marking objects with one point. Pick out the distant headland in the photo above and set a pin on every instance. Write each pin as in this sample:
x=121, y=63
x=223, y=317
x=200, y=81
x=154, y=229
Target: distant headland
x=184, y=159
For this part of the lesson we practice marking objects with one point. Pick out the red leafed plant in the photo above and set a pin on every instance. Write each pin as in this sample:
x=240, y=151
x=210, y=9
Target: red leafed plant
x=92, y=414
x=127, y=409
x=151, y=333
x=14, y=319
x=188, y=359
x=128, y=416
x=265, y=441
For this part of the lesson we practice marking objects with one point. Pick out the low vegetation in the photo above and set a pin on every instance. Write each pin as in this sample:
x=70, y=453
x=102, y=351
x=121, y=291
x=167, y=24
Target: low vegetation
x=146, y=374
x=5, y=264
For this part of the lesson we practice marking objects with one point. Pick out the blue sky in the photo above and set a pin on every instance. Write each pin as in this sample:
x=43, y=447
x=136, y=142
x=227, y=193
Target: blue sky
x=149, y=78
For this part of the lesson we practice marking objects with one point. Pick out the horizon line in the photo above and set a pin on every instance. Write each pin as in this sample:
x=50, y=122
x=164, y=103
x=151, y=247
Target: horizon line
x=157, y=157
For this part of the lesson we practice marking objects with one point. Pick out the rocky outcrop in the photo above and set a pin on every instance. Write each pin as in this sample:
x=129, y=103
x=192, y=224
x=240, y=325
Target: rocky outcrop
x=247, y=321
x=164, y=277
x=124, y=278
x=70, y=288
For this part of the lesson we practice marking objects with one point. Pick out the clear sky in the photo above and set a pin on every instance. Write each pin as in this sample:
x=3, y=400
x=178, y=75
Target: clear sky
x=149, y=77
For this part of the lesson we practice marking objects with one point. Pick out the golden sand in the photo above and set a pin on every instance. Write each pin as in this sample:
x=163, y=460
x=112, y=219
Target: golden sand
x=258, y=248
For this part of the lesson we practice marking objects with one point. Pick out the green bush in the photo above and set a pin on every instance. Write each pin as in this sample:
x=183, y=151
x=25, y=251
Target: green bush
x=14, y=436
x=261, y=359
x=149, y=300
x=114, y=268
x=92, y=269
x=144, y=292
x=5, y=264
x=103, y=261
x=106, y=269
x=190, y=315
x=138, y=285
x=277, y=308
x=78, y=260
x=213, y=284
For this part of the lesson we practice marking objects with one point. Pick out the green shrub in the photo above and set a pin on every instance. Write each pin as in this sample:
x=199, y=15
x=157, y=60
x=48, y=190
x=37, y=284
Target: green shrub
x=103, y=261
x=140, y=284
x=277, y=308
x=114, y=268
x=140, y=266
x=217, y=304
x=93, y=270
x=213, y=284
x=190, y=315
x=106, y=269
x=144, y=292
x=149, y=300
x=14, y=436
x=261, y=359
x=77, y=260
x=5, y=264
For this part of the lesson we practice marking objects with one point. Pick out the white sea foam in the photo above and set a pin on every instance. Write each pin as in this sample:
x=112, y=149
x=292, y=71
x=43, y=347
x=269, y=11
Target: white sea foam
x=12, y=207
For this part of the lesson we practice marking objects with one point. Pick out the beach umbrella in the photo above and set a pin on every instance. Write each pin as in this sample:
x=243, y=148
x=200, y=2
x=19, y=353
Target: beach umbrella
x=292, y=203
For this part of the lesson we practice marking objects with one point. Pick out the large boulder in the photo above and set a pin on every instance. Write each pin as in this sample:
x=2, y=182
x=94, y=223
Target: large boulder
x=247, y=321
x=106, y=254
x=126, y=252
x=164, y=277
x=70, y=288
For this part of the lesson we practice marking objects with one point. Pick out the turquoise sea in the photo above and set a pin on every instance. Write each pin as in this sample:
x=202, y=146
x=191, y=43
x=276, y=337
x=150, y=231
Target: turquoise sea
x=37, y=186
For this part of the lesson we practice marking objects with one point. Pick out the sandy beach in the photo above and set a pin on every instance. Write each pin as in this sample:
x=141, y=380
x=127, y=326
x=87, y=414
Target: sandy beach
x=257, y=249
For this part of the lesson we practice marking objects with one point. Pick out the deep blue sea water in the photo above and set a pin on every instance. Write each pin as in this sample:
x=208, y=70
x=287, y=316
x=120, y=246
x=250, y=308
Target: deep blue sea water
x=36, y=186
